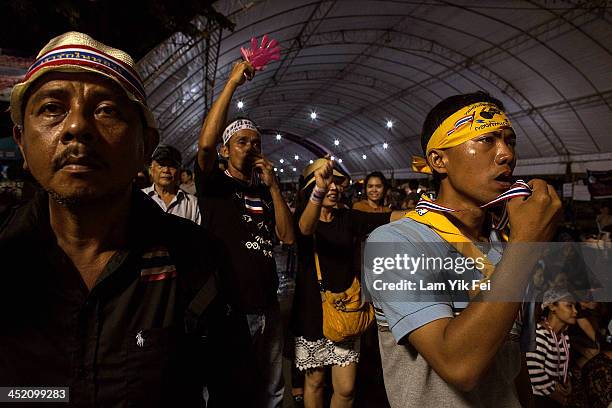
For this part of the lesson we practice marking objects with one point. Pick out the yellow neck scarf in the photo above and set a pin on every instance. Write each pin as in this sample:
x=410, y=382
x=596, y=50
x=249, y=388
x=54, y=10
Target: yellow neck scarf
x=442, y=226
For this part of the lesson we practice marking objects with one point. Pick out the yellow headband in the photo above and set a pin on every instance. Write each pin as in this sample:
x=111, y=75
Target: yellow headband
x=465, y=124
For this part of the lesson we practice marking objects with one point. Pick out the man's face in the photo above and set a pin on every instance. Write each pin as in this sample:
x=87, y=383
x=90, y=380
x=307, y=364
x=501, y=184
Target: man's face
x=164, y=173
x=375, y=189
x=243, y=149
x=480, y=169
x=185, y=177
x=82, y=138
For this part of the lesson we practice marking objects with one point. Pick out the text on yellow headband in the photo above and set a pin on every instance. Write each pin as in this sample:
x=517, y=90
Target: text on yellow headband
x=467, y=123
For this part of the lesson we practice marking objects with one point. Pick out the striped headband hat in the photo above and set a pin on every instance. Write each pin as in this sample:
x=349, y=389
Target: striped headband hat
x=78, y=52
x=236, y=126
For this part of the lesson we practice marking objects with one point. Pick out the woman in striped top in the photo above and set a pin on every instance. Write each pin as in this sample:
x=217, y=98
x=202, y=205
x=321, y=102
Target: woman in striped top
x=549, y=364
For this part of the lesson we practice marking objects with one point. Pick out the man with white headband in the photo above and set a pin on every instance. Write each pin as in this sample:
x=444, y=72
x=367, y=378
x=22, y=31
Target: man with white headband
x=244, y=208
x=440, y=350
x=102, y=292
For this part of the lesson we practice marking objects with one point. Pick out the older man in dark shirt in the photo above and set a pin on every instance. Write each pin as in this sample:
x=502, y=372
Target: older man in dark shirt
x=101, y=291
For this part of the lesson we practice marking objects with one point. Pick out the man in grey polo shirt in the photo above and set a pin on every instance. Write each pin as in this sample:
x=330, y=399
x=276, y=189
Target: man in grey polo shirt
x=436, y=351
x=165, y=191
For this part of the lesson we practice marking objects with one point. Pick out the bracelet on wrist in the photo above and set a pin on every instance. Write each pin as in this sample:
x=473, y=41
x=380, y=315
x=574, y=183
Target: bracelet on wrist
x=319, y=192
x=316, y=200
x=317, y=195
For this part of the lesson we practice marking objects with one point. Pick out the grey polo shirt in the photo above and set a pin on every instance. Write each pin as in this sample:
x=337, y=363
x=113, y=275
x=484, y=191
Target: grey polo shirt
x=409, y=380
x=183, y=204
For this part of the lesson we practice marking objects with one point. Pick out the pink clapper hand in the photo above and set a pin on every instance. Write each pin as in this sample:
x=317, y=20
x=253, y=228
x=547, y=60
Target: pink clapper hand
x=260, y=55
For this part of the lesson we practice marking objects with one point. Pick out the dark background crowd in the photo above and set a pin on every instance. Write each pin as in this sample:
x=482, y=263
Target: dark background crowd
x=588, y=222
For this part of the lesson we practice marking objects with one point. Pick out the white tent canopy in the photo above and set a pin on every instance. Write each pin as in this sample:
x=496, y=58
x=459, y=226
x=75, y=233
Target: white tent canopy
x=359, y=64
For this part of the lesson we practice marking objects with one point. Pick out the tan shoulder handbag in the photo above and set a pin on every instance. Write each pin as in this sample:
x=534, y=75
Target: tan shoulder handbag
x=344, y=316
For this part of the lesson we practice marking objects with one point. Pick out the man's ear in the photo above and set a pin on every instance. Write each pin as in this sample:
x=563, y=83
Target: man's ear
x=18, y=138
x=437, y=159
x=224, y=152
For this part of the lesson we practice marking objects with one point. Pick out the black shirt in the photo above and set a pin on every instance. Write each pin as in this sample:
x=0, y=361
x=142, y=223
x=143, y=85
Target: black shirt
x=124, y=343
x=336, y=242
x=242, y=218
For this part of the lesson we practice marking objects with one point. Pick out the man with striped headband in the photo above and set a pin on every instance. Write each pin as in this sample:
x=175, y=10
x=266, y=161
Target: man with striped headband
x=460, y=348
x=102, y=292
x=244, y=208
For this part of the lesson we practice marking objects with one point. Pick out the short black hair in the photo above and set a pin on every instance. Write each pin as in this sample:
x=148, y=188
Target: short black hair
x=189, y=172
x=447, y=107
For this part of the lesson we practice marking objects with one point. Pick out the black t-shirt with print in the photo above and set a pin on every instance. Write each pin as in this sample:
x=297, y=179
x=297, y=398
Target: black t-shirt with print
x=242, y=218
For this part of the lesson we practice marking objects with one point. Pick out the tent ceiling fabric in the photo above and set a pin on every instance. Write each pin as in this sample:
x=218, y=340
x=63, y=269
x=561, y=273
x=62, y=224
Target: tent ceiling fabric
x=360, y=63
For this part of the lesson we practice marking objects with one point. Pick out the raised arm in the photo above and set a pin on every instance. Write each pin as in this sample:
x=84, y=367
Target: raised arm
x=213, y=127
x=310, y=216
x=282, y=214
x=461, y=349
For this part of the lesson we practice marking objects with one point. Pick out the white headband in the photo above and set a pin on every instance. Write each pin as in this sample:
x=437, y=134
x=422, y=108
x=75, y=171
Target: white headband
x=236, y=126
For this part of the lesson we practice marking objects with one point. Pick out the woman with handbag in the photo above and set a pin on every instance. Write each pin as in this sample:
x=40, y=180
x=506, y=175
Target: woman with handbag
x=327, y=316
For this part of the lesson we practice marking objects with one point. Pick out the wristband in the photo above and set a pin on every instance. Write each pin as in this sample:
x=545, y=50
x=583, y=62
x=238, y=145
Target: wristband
x=318, y=194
